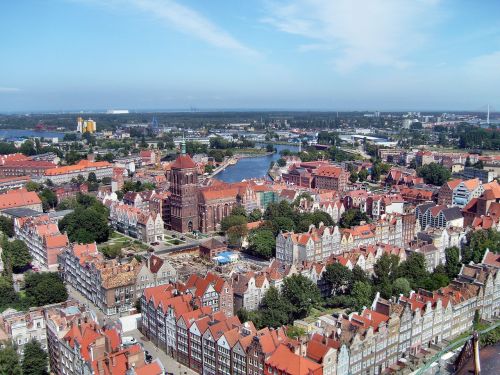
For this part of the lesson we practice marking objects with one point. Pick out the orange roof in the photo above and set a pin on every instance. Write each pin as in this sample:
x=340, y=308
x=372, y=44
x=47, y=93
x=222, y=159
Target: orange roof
x=454, y=183
x=328, y=171
x=18, y=198
x=56, y=241
x=149, y=369
x=183, y=161
x=283, y=359
x=81, y=166
x=472, y=184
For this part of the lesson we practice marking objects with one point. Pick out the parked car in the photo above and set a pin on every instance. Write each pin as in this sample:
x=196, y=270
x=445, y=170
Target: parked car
x=128, y=340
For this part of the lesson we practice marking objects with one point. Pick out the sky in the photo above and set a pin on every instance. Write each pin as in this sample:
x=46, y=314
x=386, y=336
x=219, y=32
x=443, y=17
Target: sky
x=260, y=54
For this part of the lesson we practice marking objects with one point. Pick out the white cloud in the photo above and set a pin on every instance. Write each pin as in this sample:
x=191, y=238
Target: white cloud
x=9, y=89
x=183, y=19
x=358, y=32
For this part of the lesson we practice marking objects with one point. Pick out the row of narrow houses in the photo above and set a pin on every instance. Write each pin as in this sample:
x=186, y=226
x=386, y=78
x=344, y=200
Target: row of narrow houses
x=379, y=337
x=320, y=243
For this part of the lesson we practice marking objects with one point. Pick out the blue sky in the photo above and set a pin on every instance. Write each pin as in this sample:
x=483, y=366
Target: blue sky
x=259, y=54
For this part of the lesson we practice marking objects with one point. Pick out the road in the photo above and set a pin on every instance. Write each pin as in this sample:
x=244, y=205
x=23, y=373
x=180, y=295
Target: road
x=170, y=364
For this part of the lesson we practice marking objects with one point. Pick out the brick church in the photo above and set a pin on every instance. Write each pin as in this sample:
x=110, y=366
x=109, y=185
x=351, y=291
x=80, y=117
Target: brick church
x=201, y=208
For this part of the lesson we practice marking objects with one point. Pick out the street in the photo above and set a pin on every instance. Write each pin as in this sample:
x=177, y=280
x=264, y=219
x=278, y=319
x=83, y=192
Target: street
x=170, y=364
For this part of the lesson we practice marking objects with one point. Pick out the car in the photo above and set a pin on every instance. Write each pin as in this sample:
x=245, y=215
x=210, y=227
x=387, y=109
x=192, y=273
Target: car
x=174, y=236
x=149, y=358
x=155, y=243
x=128, y=340
x=183, y=238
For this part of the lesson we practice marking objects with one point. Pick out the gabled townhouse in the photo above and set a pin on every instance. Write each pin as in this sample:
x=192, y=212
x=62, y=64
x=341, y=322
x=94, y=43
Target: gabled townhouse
x=43, y=238
x=212, y=291
x=334, y=208
x=138, y=223
x=330, y=353
x=248, y=290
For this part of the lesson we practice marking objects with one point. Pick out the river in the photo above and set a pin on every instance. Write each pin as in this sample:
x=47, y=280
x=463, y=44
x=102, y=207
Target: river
x=254, y=167
x=26, y=133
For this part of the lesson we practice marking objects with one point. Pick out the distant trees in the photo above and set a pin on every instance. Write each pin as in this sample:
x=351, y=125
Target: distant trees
x=477, y=243
x=262, y=243
x=48, y=198
x=434, y=174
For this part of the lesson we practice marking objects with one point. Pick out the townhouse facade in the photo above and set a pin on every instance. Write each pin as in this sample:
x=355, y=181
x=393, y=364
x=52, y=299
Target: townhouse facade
x=111, y=286
x=138, y=223
x=41, y=235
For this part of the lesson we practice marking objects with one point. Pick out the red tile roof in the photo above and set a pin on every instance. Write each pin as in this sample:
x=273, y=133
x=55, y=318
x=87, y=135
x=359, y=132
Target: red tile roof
x=182, y=162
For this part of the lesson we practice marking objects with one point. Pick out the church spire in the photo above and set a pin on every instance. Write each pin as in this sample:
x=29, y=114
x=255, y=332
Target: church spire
x=183, y=145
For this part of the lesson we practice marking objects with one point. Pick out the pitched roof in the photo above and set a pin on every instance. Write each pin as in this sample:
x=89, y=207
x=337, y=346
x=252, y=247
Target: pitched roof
x=287, y=361
x=183, y=162
x=18, y=198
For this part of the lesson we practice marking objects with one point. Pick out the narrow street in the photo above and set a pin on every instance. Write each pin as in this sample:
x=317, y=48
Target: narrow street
x=170, y=364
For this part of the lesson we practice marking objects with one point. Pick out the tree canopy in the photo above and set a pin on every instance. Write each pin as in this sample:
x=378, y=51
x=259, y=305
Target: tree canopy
x=434, y=174
x=45, y=288
x=35, y=360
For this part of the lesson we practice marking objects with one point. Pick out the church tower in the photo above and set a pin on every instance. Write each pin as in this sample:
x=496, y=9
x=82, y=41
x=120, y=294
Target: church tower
x=184, y=194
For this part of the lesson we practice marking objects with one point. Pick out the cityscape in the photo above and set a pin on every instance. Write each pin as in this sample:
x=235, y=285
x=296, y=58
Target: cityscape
x=261, y=190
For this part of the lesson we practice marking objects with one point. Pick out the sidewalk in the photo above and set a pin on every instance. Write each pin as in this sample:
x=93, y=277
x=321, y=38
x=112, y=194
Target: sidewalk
x=170, y=364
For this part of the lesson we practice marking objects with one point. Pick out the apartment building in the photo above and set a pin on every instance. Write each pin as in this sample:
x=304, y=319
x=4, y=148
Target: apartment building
x=110, y=285
x=23, y=326
x=27, y=167
x=136, y=222
x=11, y=183
x=41, y=235
x=439, y=216
x=331, y=177
x=65, y=174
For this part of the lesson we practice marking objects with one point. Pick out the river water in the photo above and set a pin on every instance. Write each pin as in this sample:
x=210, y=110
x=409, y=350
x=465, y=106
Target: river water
x=255, y=167
x=26, y=133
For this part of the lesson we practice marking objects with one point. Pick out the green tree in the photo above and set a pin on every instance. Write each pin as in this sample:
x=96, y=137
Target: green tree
x=92, y=177
x=255, y=215
x=301, y=293
x=7, y=226
x=275, y=310
x=337, y=277
x=361, y=294
x=386, y=268
x=434, y=174
x=231, y=221
x=295, y=332
x=17, y=254
x=477, y=243
x=262, y=243
x=8, y=295
x=33, y=186
x=35, y=361
x=401, y=286
x=363, y=175
x=281, y=162
x=353, y=177
x=45, y=288
x=48, y=198
x=453, y=264
x=9, y=361
x=413, y=269
x=86, y=225
x=353, y=217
